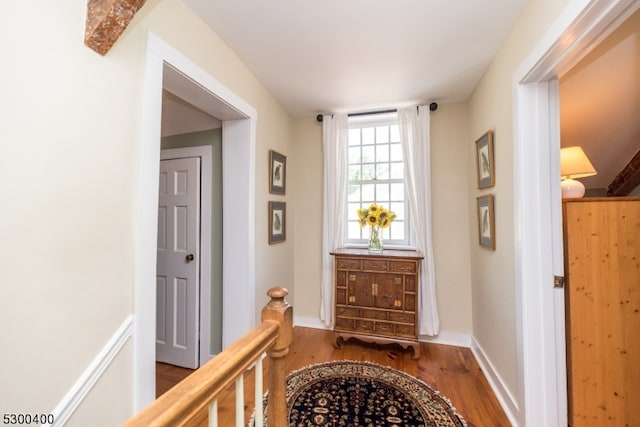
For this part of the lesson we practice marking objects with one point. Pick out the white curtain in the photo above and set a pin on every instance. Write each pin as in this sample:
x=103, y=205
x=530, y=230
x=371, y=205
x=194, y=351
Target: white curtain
x=416, y=146
x=335, y=141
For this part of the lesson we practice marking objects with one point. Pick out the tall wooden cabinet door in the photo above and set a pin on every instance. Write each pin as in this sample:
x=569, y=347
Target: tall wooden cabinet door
x=602, y=245
x=360, y=291
x=388, y=291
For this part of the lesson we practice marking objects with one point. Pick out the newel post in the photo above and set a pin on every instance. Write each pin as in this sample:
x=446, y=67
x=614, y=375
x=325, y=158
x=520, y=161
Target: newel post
x=279, y=310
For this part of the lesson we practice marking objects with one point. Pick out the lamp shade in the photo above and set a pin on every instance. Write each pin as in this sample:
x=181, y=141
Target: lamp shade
x=574, y=163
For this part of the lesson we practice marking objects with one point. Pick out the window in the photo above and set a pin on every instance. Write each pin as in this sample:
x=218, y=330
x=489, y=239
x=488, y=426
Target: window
x=376, y=175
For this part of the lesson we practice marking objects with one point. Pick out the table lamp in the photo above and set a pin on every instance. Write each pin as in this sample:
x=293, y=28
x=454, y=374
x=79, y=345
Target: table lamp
x=574, y=163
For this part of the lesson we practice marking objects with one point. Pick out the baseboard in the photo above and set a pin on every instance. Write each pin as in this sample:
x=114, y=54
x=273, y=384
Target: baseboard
x=74, y=397
x=448, y=338
x=309, y=322
x=508, y=403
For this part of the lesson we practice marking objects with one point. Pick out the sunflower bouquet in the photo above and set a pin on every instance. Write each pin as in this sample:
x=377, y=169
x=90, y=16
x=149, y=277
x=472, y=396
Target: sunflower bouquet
x=376, y=217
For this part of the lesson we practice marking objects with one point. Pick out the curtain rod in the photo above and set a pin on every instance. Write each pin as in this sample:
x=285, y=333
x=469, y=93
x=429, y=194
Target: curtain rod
x=432, y=107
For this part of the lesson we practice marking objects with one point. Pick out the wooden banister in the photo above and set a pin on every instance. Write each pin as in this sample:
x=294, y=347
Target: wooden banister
x=182, y=403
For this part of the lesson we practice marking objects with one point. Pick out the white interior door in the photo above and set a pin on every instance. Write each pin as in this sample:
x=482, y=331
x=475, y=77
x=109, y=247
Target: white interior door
x=177, y=272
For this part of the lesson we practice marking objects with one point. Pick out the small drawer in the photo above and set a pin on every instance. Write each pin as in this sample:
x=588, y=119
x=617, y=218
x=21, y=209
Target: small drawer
x=341, y=296
x=344, y=324
x=375, y=265
x=374, y=314
x=363, y=326
x=384, y=328
x=410, y=283
x=402, y=317
x=347, y=312
x=406, y=331
x=341, y=278
x=348, y=264
x=410, y=302
x=402, y=266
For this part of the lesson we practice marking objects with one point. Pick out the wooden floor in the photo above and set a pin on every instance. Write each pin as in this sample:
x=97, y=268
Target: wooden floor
x=453, y=371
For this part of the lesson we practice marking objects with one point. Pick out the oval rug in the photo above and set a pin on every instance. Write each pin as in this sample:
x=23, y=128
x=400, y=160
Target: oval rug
x=364, y=394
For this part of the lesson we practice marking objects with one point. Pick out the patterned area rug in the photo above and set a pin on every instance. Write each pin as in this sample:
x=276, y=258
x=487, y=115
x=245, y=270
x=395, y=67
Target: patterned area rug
x=364, y=394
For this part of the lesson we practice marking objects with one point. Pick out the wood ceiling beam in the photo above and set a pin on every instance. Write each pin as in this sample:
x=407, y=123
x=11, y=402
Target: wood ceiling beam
x=627, y=179
x=106, y=21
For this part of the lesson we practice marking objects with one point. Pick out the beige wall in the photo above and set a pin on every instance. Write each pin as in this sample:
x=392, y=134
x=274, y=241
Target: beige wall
x=492, y=272
x=449, y=141
x=71, y=140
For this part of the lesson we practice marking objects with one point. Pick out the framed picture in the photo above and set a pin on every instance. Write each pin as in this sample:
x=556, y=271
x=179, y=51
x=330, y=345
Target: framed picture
x=484, y=161
x=277, y=222
x=277, y=172
x=486, y=222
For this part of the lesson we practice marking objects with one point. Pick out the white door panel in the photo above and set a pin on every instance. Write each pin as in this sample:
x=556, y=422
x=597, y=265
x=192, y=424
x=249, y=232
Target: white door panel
x=177, y=282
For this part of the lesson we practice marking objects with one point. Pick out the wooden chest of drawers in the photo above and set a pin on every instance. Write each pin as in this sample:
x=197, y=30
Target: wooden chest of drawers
x=376, y=297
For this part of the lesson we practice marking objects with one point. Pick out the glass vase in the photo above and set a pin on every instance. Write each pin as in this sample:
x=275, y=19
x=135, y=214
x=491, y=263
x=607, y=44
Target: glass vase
x=375, y=239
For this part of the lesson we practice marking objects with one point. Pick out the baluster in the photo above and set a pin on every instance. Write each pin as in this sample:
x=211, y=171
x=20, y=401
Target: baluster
x=213, y=413
x=240, y=401
x=259, y=417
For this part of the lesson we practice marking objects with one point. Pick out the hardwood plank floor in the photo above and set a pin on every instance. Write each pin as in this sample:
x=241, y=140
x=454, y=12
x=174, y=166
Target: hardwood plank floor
x=453, y=371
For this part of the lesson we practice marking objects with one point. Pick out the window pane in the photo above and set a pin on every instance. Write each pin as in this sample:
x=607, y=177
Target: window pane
x=367, y=136
x=382, y=193
x=353, y=230
x=354, y=193
x=396, y=152
x=354, y=173
x=397, y=230
x=382, y=153
x=367, y=194
x=354, y=155
x=382, y=134
x=368, y=172
x=397, y=191
x=382, y=171
x=368, y=154
x=352, y=211
x=396, y=171
x=354, y=136
x=398, y=209
x=395, y=133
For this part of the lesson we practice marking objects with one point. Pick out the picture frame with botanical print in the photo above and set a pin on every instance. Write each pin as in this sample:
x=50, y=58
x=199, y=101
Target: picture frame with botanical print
x=486, y=222
x=277, y=172
x=277, y=222
x=484, y=161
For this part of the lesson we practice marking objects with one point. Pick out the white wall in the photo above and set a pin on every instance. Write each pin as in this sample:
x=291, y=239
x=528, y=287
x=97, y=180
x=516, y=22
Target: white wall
x=70, y=142
x=493, y=278
x=449, y=140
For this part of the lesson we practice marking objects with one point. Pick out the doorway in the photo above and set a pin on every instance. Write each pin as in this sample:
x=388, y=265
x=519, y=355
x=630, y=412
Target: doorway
x=166, y=67
x=538, y=216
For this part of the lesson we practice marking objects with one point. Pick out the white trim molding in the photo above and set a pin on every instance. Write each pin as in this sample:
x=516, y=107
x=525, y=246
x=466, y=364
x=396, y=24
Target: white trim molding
x=238, y=147
x=80, y=390
x=538, y=238
x=506, y=399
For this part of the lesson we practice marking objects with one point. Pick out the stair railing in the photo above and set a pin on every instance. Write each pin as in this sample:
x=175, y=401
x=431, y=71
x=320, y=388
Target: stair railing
x=189, y=398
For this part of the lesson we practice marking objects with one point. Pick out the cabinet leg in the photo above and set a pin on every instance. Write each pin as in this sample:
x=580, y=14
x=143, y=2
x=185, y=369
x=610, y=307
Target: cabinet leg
x=338, y=342
x=415, y=351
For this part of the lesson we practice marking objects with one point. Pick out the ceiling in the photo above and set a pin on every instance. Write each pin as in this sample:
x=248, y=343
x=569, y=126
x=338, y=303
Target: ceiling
x=360, y=55
x=350, y=55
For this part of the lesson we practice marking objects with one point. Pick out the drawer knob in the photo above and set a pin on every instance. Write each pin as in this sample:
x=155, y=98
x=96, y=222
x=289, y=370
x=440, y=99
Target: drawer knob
x=352, y=277
x=374, y=289
x=397, y=281
x=352, y=298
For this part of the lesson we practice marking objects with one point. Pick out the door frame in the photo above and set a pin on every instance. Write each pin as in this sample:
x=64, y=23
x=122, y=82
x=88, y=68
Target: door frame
x=581, y=26
x=238, y=160
x=204, y=152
